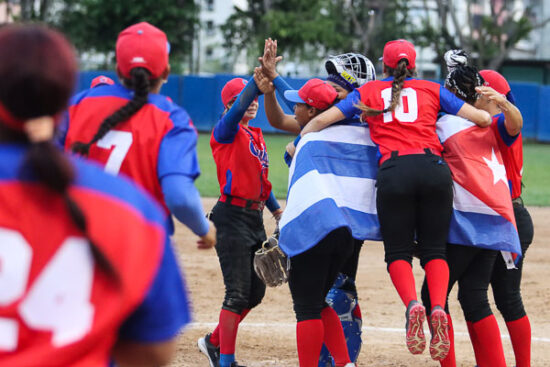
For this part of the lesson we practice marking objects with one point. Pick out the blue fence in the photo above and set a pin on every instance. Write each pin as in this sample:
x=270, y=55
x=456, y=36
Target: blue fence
x=200, y=96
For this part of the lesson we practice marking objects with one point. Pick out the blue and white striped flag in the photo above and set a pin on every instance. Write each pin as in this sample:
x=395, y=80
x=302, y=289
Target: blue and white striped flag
x=331, y=184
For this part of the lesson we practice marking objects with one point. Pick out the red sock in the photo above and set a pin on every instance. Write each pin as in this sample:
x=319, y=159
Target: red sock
x=520, y=334
x=437, y=277
x=450, y=360
x=309, y=338
x=475, y=344
x=335, y=339
x=403, y=280
x=215, y=336
x=489, y=343
x=229, y=325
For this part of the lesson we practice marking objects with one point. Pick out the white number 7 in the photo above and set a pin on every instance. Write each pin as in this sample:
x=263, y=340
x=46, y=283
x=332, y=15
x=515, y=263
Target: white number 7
x=121, y=141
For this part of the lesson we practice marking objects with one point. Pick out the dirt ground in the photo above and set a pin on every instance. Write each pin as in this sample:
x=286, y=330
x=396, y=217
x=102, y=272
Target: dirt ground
x=267, y=335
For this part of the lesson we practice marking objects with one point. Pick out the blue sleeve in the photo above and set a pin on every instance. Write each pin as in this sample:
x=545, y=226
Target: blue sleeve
x=61, y=131
x=287, y=157
x=178, y=149
x=506, y=138
x=228, y=126
x=347, y=105
x=281, y=86
x=183, y=199
x=449, y=102
x=165, y=309
x=272, y=203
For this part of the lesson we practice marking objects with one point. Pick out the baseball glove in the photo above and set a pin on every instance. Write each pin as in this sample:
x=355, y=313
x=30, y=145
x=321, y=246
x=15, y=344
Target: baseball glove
x=271, y=263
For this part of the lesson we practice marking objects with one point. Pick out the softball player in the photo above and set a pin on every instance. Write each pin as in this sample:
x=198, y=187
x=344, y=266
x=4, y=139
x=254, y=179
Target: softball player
x=472, y=267
x=242, y=167
x=314, y=271
x=345, y=73
x=132, y=129
x=506, y=284
x=414, y=194
x=68, y=298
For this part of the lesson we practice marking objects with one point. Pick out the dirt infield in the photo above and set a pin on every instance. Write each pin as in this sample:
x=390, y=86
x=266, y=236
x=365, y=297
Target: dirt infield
x=267, y=336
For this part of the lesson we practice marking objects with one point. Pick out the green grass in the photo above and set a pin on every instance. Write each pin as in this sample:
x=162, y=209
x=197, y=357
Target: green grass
x=536, y=169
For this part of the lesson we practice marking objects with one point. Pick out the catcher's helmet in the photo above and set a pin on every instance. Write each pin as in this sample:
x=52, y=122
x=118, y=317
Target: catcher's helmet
x=356, y=69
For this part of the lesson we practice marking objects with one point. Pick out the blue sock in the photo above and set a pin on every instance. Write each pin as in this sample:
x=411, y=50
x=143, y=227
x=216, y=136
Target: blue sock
x=226, y=360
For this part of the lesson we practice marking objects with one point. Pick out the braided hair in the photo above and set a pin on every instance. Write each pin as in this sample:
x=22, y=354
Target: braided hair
x=140, y=83
x=38, y=72
x=400, y=73
x=462, y=79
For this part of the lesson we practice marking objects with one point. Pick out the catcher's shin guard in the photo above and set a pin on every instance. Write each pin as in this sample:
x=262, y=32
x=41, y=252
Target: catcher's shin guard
x=325, y=360
x=344, y=302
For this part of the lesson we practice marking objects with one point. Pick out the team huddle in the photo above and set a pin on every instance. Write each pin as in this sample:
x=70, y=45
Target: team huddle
x=88, y=273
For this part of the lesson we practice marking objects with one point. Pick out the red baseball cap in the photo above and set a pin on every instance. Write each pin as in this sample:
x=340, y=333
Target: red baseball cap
x=142, y=45
x=101, y=80
x=395, y=51
x=315, y=93
x=232, y=89
x=496, y=81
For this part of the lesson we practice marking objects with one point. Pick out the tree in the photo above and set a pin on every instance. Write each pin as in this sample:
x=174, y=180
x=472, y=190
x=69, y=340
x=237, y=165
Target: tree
x=310, y=30
x=93, y=25
x=489, y=31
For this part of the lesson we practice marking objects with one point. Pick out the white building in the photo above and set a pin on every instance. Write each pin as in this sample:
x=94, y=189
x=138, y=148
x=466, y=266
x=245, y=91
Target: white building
x=209, y=52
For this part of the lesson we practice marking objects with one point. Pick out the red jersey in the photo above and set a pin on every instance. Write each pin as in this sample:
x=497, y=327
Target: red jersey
x=156, y=141
x=241, y=161
x=56, y=307
x=511, y=149
x=411, y=126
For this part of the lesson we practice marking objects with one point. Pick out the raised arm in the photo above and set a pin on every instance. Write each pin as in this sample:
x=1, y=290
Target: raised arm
x=269, y=62
x=327, y=118
x=478, y=117
x=228, y=126
x=513, y=119
x=275, y=114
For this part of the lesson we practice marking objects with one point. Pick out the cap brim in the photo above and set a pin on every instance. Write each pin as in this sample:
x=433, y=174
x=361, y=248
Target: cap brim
x=292, y=96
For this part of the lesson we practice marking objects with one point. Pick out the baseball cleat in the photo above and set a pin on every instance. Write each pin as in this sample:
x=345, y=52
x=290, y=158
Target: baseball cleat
x=209, y=350
x=416, y=314
x=439, y=325
x=235, y=364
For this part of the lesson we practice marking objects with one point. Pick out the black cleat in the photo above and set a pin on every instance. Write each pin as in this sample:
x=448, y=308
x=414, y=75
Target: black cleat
x=210, y=351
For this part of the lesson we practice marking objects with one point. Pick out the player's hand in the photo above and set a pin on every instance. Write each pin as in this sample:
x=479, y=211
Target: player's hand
x=262, y=82
x=208, y=240
x=277, y=214
x=493, y=95
x=291, y=149
x=270, y=59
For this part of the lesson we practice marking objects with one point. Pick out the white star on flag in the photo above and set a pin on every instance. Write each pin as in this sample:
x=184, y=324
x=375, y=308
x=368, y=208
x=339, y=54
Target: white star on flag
x=499, y=172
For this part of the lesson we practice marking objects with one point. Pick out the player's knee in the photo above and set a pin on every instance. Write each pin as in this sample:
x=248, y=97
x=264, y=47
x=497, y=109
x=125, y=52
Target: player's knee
x=511, y=308
x=475, y=305
x=256, y=297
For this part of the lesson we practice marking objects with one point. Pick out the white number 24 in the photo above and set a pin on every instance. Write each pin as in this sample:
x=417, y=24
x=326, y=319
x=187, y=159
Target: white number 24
x=59, y=298
x=406, y=110
x=121, y=141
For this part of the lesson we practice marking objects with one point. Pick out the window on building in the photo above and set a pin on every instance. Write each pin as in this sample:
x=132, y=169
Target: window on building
x=210, y=27
x=210, y=5
x=209, y=52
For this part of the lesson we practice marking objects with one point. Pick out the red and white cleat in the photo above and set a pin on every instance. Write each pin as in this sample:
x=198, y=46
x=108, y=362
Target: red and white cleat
x=416, y=315
x=439, y=325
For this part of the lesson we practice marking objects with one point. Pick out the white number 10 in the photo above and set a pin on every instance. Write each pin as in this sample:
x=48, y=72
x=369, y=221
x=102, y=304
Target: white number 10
x=121, y=141
x=406, y=110
x=59, y=298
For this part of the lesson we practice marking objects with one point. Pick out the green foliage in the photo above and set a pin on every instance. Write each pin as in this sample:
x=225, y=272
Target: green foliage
x=310, y=30
x=93, y=25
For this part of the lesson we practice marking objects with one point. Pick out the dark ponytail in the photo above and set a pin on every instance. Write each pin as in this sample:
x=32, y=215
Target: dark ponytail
x=140, y=83
x=50, y=167
x=400, y=73
x=38, y=72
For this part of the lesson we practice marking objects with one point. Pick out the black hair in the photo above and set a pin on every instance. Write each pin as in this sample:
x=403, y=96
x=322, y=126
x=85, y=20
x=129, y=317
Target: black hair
x=463, y=80
x=38, y=72
x=140, y=83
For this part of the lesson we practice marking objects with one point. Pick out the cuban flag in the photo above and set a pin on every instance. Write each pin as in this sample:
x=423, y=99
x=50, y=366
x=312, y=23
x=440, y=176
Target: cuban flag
x=331, y=184
x=483, y=215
